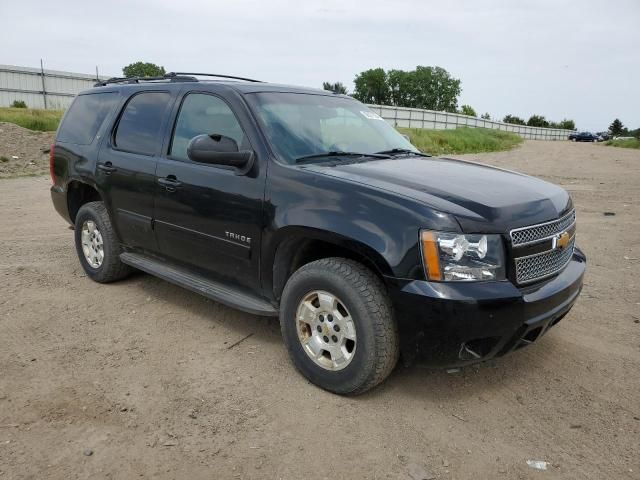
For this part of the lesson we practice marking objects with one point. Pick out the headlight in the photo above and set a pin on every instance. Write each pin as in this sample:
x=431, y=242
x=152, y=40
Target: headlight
x=462, y=257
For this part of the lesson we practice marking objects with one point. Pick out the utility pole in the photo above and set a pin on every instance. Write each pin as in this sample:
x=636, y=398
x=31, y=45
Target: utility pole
x=44, y=90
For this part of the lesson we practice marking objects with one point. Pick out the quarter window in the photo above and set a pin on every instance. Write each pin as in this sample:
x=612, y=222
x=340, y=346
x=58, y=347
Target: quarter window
x=204, y=114
x=85, y=116
x=139, y=127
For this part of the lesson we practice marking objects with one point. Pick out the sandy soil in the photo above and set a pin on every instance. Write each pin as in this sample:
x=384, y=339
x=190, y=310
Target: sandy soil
x=138, y=378
x=23, y=152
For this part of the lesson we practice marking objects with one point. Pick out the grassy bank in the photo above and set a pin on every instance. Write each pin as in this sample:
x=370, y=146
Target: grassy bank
x=461, y=140
x=40, y=120
x=629, y=143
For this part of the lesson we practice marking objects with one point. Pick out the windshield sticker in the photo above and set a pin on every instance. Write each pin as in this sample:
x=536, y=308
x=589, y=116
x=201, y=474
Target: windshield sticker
x=371, y=115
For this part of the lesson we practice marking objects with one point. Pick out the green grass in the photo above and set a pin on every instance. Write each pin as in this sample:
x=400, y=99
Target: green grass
x=630, y=143
x=40, y=120
x=461, y=140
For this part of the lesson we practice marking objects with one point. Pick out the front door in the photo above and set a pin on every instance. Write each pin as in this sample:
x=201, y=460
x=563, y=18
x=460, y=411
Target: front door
x=126, y=166
x=206, y=216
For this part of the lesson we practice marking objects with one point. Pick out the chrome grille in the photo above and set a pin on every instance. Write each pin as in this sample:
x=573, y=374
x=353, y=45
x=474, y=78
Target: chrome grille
x=541, y=265
x=542, y=231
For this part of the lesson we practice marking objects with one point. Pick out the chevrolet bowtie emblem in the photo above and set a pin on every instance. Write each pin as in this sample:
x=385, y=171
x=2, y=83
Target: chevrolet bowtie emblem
x=561, y=241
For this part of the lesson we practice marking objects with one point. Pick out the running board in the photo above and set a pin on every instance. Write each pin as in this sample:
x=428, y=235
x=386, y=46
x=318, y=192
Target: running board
x=199, y=284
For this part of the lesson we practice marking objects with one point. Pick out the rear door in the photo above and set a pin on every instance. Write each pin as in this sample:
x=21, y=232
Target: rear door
x=206, y=216
x=127, y=162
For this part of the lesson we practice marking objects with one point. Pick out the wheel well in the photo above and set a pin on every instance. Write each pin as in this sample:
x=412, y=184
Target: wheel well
x=78, y=194
x=296, y=252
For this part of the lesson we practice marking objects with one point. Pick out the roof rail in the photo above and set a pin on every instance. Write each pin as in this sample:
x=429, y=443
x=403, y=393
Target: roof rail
x=169, y=76
x=214, y=75
x=172, y=77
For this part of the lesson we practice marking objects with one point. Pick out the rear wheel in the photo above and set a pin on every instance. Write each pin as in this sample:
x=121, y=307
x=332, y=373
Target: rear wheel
x=338, y=326
x=97, y=246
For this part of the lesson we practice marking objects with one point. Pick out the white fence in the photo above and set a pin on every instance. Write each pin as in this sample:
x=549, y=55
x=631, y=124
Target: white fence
x=418, y=118
x=41, y=88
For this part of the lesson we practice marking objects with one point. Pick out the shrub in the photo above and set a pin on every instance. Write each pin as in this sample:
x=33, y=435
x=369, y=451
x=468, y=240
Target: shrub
x=18, y=104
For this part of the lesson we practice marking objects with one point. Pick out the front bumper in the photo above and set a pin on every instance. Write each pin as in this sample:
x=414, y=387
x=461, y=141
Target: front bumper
x=454, y=324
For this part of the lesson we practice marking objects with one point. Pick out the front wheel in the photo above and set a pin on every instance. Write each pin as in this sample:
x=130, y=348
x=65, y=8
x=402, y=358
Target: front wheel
x=337, y=323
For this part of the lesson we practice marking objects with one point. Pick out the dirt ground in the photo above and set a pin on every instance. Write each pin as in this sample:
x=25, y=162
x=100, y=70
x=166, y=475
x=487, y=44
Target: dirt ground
x=23, y=152
x=141, y=378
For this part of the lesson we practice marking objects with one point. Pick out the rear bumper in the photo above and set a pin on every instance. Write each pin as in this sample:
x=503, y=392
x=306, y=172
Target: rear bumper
x=455, y=324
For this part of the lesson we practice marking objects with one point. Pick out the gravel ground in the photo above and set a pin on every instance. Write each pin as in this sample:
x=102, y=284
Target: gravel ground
x=23, y=152
x=141, y=378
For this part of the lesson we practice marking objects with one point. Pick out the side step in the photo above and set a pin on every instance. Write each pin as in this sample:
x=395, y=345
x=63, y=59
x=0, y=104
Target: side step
x=197, y=283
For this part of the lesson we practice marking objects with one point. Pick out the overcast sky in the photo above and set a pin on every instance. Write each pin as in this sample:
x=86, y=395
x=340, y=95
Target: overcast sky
x=561, y=59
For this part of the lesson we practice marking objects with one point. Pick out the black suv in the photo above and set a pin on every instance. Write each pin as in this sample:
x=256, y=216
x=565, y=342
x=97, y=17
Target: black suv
x=307, y=205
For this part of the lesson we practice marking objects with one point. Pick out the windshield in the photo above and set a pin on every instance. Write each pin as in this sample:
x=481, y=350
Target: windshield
x=300, y=125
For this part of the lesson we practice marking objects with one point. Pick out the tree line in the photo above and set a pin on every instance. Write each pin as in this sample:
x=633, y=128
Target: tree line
x=430, y=88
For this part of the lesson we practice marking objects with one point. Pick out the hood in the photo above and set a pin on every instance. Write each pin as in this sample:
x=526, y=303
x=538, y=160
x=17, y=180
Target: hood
x=482, y=198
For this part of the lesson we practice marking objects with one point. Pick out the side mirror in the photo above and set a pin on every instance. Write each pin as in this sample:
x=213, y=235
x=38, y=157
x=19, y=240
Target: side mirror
x=219, y=150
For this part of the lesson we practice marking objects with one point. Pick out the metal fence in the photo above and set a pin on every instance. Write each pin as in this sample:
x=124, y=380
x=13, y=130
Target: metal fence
x=418, y=118
x=40, y=88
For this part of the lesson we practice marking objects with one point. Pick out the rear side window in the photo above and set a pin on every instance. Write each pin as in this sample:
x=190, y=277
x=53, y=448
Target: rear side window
x=139, y=128
x=85, y=116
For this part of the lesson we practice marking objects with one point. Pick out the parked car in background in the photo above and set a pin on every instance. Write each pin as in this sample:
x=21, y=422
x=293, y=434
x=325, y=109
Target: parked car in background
x=604, y=136
x=584, y=137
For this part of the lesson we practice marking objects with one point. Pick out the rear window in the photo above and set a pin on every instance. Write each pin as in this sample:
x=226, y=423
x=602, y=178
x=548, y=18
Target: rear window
x=85, y=116
x=139, y=127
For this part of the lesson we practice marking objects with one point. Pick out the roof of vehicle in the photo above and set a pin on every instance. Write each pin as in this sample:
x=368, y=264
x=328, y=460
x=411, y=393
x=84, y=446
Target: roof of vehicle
x=242, y=85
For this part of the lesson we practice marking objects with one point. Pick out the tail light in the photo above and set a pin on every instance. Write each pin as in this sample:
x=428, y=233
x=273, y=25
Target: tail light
x=51, y=158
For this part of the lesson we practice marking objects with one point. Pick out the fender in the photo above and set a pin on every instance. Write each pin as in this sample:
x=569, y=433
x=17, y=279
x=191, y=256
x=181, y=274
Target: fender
x=381, y=226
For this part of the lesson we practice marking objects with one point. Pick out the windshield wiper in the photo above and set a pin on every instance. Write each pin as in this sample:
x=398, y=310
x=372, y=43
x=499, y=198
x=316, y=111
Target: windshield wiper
x=399, y=151
x=340, y=154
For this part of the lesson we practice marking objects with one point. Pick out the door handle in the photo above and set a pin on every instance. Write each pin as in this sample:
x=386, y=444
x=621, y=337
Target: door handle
x=170, y=183
x=107, y=168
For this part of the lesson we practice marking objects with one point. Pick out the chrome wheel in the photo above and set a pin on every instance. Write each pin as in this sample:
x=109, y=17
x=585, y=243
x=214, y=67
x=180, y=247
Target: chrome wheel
x=326, y=330
x=92, y=244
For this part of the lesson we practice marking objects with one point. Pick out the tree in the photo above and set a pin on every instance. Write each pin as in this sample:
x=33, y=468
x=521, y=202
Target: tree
x=567, y=124
x=537, y=121
x=468, y=110
x=436, y=89
x=513, y=120
x=425, y=87
x=143, y=69
x=486, y=116
x=371, y=87
x=616, y=128
x=337, y=87
x=401, y=88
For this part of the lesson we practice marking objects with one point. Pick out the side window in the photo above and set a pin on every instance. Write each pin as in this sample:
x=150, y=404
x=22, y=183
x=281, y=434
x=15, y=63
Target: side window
x=85, y=116
x=204, y=114
x=139, y=128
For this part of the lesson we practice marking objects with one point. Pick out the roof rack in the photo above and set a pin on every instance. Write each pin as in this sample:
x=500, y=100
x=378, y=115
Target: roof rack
x=171, y=76
x=215, y=75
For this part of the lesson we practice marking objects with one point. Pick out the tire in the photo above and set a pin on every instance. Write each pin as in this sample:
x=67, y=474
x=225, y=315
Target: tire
x=361, y=299
x=105, y=267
